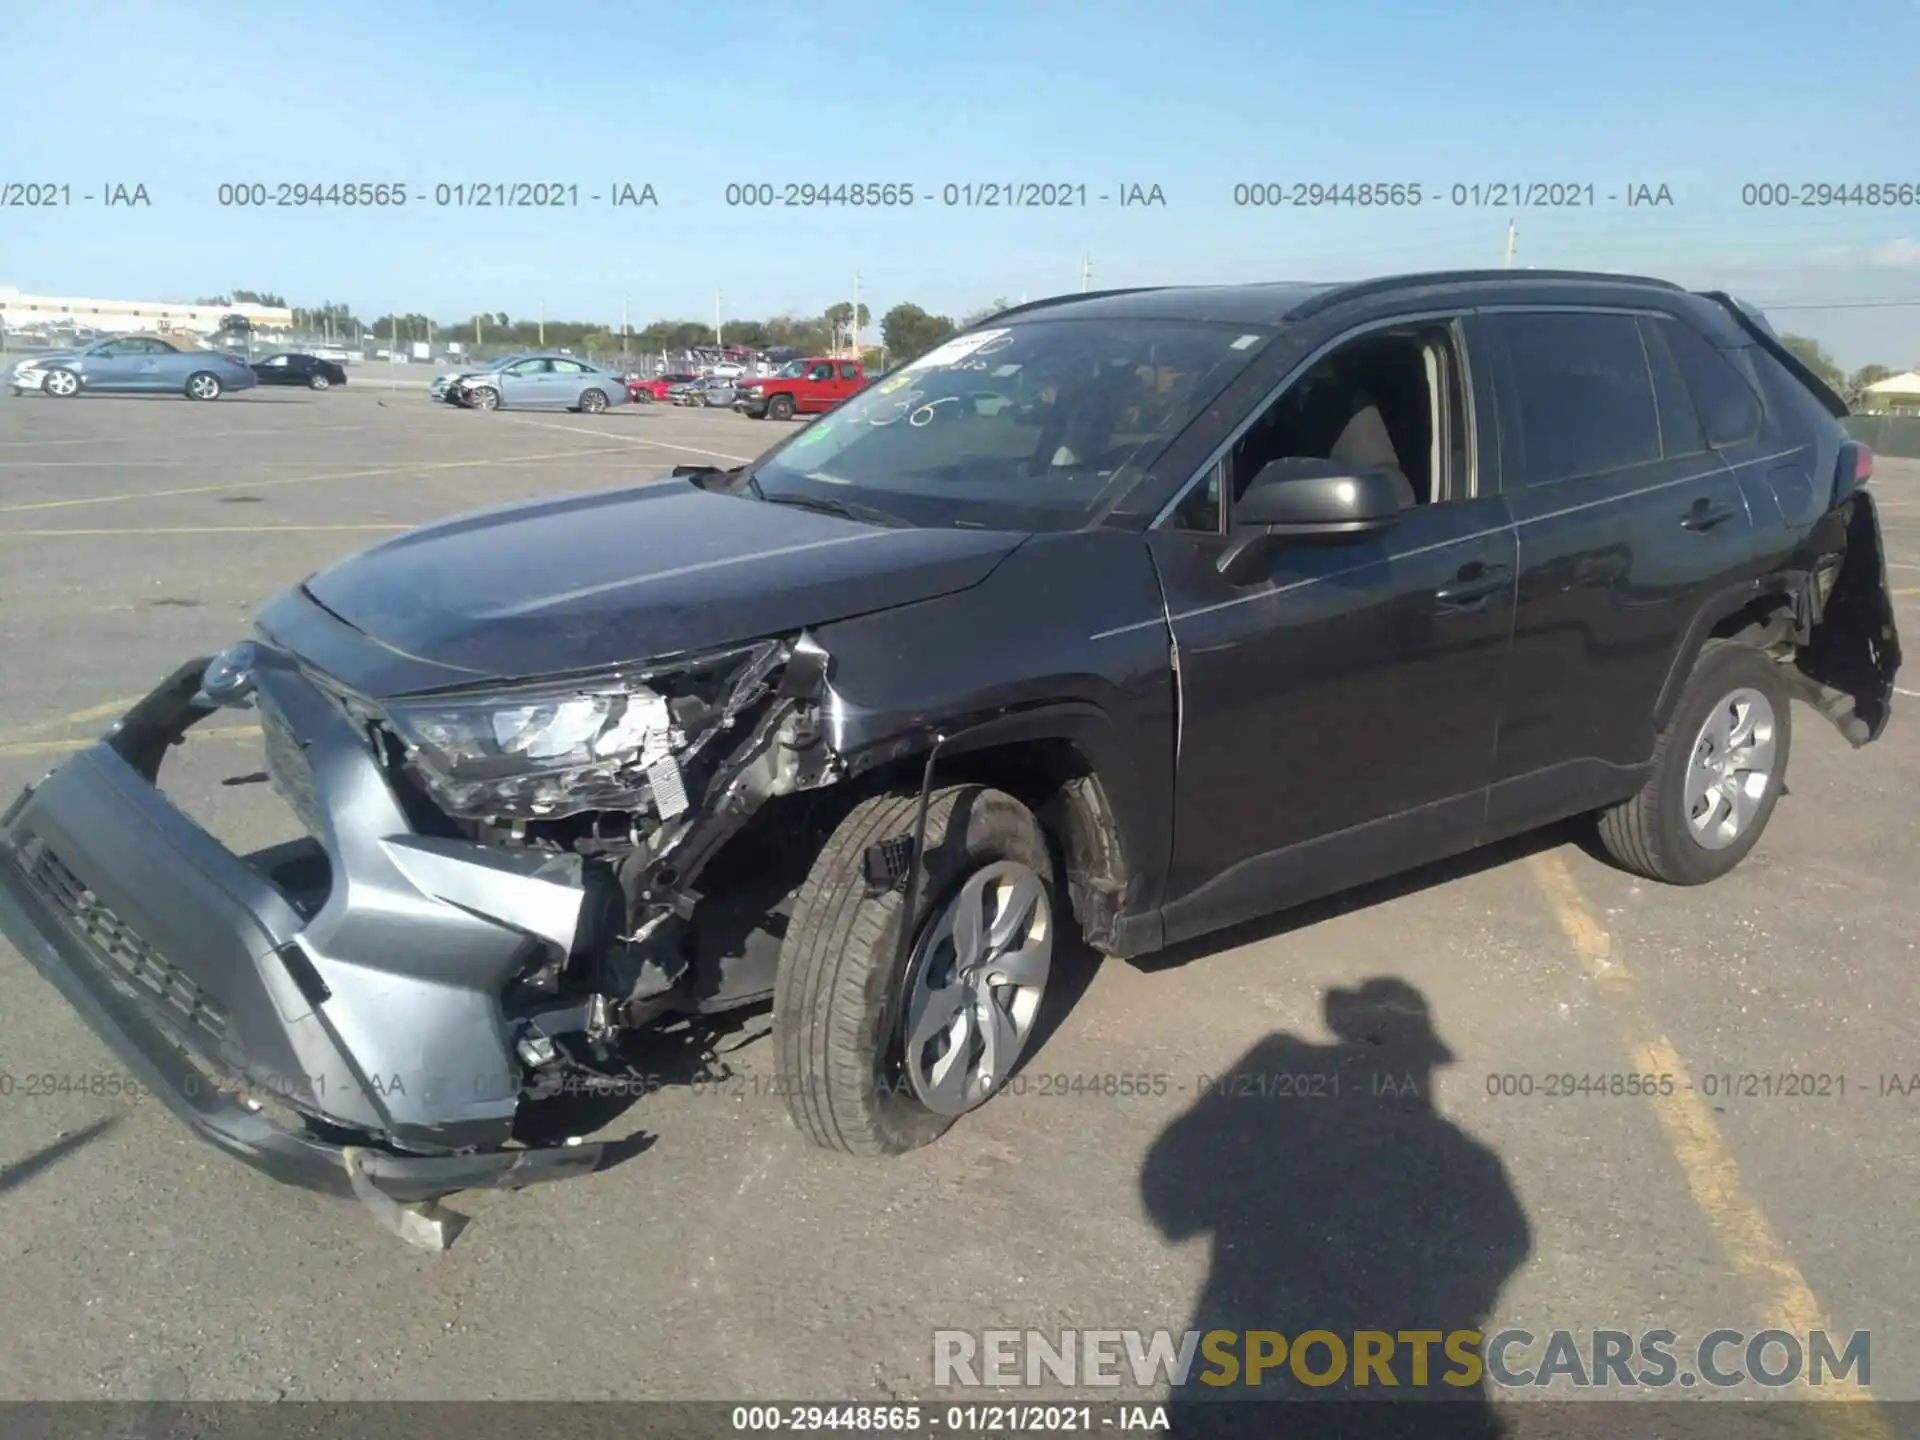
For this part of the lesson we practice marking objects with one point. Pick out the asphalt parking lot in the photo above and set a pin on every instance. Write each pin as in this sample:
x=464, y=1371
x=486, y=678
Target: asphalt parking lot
x=730, y=1260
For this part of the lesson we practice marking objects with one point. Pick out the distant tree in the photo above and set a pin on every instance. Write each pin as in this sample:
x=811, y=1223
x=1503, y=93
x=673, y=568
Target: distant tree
x=745, y=332
x=258, y=297
x=1816, y=359
x=993, y=308
x=1855, y=390
x=909, y=330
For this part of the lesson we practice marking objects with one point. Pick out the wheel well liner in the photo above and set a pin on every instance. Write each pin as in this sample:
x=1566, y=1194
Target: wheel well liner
x=1064, y=762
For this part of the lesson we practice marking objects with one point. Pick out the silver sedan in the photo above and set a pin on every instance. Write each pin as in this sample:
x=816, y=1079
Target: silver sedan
x=539, y=382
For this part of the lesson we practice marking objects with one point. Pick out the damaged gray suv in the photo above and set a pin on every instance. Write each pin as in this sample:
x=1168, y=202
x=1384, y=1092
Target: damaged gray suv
x=1125, y=616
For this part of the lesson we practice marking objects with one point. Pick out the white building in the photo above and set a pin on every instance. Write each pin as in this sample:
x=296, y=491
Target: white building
x=47, y=313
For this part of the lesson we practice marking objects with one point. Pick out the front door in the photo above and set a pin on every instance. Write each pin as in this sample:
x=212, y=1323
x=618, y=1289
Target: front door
x=1339, y=708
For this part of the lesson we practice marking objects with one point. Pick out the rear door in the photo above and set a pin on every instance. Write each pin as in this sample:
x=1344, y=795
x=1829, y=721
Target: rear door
x=564, y=383
x=1628, y=524
x=846, y=381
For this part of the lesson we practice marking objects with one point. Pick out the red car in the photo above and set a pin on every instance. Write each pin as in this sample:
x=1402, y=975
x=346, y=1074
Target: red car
x=805, y=387
x=645, y=391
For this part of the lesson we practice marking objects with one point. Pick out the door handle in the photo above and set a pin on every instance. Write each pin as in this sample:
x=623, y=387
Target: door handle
x=1472, y=587
x=1704, y=515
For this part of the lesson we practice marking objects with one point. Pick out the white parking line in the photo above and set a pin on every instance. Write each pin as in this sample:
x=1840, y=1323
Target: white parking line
x=148, y=439
x=630, y=440
x=413, y=468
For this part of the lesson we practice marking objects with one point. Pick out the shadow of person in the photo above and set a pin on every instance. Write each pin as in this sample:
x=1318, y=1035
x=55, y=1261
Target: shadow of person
x=1340, y=1201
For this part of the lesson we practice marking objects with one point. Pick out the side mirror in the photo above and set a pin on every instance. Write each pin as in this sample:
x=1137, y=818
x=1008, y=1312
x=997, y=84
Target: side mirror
x=1309, y=500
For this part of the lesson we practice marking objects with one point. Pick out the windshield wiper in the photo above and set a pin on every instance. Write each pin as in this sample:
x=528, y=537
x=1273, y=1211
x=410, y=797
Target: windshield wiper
x=845, y=509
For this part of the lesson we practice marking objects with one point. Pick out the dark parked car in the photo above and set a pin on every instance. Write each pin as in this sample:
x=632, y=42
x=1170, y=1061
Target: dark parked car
x=1133, y=615
x=308, y=370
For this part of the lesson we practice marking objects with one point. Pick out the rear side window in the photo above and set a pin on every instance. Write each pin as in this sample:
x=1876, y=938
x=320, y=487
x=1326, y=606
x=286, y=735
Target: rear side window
x=1583, y=392
x=1729, y=409
x=1680, y=432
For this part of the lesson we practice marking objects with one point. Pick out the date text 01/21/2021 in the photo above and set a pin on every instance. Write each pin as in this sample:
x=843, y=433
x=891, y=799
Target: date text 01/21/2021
x=1489, y=195
x=960, y=195
x=461, y=195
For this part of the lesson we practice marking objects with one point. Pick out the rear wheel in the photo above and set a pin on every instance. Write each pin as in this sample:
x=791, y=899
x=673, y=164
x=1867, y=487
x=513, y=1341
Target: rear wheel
x=63, y=384
x=592, y=402
x=317, y=381
x=1718, y=771
x=484, y=397
x=780, y=407
x=879, y=1057
x=201, y=385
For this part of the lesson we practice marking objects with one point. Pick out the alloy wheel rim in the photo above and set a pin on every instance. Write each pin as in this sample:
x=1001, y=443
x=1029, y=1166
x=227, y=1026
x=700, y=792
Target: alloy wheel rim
x=61, y=383
x=978, y=975
x=203, y=386
x=1729, y=769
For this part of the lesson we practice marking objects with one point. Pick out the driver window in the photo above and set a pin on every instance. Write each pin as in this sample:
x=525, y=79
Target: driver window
x=821, y=372
x=1387, y=401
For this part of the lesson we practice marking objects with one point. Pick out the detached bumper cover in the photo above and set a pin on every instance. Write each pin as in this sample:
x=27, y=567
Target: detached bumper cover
x=299, y=1029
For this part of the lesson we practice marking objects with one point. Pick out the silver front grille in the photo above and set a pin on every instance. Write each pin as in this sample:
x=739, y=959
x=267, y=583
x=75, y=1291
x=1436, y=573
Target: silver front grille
x=129, y=956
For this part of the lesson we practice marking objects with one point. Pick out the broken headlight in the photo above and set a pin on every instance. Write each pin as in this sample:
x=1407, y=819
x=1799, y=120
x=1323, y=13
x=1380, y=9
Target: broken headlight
x=552, y=751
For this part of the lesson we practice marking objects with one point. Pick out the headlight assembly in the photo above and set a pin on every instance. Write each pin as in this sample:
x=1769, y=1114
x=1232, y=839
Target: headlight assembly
x=551, y=751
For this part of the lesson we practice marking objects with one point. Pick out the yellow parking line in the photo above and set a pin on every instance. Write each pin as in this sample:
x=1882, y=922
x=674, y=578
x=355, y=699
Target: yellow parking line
x=110, y=710
x=413, y=468
x=196, y=530
x=67, y=747
x=1746, y=1236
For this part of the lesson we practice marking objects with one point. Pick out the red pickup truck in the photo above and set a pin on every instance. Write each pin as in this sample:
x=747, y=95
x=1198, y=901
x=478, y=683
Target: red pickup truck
x=800, y=387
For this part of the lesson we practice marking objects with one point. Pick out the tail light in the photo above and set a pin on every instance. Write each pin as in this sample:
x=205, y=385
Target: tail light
x=1854, y=469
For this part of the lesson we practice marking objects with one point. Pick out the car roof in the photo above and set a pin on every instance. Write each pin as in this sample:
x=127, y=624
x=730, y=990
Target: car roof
x=1276, y=302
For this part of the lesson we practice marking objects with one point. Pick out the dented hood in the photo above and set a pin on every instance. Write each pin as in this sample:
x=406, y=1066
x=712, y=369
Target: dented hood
x=581, y=581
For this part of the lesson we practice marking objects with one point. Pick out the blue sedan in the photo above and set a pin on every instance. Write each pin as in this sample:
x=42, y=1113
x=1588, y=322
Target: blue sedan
x=130, y=364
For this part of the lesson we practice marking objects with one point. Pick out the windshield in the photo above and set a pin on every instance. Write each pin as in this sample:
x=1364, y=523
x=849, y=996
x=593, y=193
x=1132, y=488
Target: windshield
x=1032, y=426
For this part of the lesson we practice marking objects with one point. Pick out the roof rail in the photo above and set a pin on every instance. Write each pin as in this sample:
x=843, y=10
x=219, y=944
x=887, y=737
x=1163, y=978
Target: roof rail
x=1068, y=299
x=1354, y=289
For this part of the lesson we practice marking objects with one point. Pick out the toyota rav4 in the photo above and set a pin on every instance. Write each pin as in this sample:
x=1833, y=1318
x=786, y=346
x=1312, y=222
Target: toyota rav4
x=1126, y=615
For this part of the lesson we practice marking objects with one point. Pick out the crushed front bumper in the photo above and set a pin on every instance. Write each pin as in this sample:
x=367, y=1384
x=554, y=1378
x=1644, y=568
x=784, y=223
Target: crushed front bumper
x=345, y=1034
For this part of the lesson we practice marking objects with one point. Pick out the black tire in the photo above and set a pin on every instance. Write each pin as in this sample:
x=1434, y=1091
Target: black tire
x=317, y=381
x=203, y=385
x=643, y=397
x=592, y=401
x=1648, y=834
x=49, y=385
x=839, y=994
x=780, y=407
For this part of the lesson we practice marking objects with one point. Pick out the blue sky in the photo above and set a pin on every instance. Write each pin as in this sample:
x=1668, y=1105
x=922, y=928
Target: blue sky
x=1195, y=97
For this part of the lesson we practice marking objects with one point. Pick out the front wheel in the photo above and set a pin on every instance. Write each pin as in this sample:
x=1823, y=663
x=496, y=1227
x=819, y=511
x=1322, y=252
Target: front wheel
x=643, y=397
x=483, y=397
x=1718, y=771
x=592, y=402
x=62, y=384
x=203, y=386
x=882, y=1055
x=780, y=407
